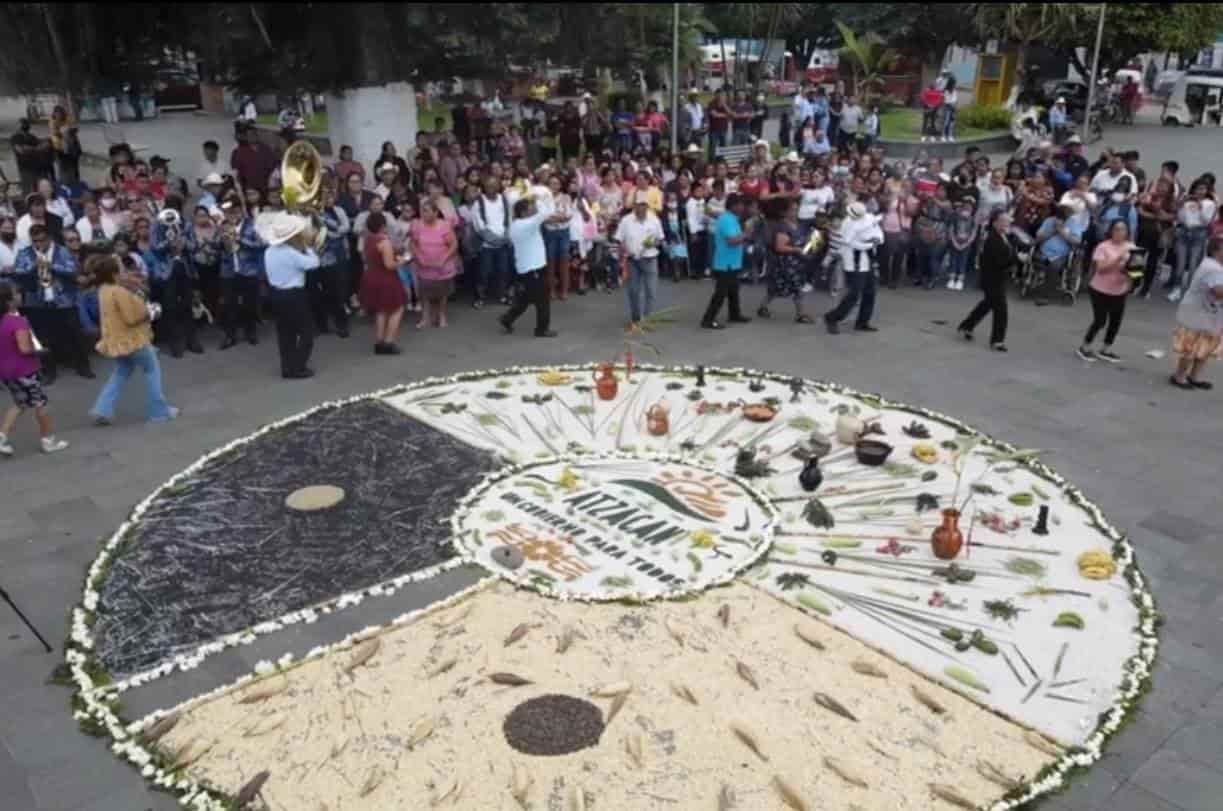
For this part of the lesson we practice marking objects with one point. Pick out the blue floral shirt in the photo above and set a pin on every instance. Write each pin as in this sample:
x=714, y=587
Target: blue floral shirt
x=63, y=287
x=335, y=247
x=248, y=261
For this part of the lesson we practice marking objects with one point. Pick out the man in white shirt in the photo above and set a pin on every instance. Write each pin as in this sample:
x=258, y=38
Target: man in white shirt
x=859, y=236
x=210, y=165
x=694, y=118
x=530, y=265
x=386, y=178
x=640, y=235
x=286, y=260
x=491, y=220
x=8, y=247
x=851, y=118
x=800, y=110
x=1106, y=179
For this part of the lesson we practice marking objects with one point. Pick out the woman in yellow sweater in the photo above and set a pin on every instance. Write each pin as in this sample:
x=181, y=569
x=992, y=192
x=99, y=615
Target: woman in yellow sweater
x=127, y=336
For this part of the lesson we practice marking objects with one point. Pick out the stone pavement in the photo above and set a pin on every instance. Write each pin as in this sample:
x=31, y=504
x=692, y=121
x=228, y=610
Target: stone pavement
x=1148, y=453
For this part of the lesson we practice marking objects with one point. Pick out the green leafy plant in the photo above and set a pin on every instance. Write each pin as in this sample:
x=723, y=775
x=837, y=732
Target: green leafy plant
x=984, y=116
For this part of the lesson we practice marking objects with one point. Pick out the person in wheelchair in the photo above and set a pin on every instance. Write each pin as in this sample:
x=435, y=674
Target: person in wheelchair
x=1057, y=239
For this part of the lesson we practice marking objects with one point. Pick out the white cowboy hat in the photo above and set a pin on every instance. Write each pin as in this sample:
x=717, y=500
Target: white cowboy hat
x=213, y=179
x=759, y=143
x=278, y=227
x=388, y=167
x=693, y=149
x=791, y=157
x=1073, y=139
x=856, y=211
x=1060, y=100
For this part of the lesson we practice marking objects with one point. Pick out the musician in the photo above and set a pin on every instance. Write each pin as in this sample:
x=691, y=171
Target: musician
x=287, y=259
x=173, y=280
x=46, y=275
x=241, y=271
x=329, y=284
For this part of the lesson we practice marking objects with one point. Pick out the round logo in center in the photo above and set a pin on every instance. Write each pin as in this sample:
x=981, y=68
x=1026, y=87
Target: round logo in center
x=610, y=527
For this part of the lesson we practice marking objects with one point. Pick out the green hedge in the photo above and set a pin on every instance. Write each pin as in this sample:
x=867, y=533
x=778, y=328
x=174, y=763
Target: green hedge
x=984, y=116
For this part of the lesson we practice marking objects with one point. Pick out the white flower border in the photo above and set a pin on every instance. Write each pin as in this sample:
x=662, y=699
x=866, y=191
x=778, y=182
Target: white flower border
x=470, y=501
x=95, y=700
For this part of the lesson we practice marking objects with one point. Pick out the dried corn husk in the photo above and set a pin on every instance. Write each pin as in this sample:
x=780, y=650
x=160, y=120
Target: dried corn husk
x=363, y=653
x=808, y=635
x=724, y=615
x=518, y=633
x=635, y=748
x=927, y=700
x=684, y=692
x=158, y=729
x=829, y=703
x=448, y=792
x=790, y=795
x=674, y=630
x=263, y=693
x=842, y=771
x=577, y=799
x=520, y=784
x=441, y=667
x=510, y=679
x=617, y=704
x=950, y=794
x=749, y=739
x=865, y=668
x=248, y=793
x=612, y=690
x=746, y=674
x=264, y=725
x=372, y=780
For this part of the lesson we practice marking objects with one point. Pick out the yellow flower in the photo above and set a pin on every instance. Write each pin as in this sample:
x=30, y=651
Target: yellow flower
x=568, y=480
x=702, y=539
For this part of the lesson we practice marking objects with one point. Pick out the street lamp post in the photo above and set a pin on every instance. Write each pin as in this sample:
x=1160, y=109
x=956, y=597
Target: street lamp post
x=1095, y=67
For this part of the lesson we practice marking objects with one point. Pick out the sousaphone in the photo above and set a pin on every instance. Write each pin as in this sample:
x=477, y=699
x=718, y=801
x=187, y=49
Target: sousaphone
x=301, y=178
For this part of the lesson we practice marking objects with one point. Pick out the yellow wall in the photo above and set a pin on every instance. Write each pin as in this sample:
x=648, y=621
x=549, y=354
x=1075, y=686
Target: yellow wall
x=995, y=76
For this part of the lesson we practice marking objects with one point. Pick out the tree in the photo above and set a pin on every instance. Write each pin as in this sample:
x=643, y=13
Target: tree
x=1136, y=28
x=1025, y=23
x=869, y=59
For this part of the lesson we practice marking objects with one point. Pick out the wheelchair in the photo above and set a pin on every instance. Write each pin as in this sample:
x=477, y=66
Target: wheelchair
x=1033, y=276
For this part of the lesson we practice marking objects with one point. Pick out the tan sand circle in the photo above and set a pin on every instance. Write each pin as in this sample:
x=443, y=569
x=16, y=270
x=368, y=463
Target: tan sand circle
x=314, y=498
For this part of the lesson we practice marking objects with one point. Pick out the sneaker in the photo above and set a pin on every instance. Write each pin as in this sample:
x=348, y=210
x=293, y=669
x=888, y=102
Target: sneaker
x=1086, y=354
x=998, y=347
x=172, y=414
x=52, y=445
x=5, y=448
x=951, y=284
x=807, y=288
x=1175, y=295
x=1108, y=355
x=478, y=304
x=101, y=421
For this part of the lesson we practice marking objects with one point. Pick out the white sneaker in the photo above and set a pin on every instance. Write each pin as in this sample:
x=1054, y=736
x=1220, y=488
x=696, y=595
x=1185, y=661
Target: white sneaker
x=1175, y=295
x=923, y=139
x=5, y=448
x=807, y=288
x=951, y=283
x=52, y=445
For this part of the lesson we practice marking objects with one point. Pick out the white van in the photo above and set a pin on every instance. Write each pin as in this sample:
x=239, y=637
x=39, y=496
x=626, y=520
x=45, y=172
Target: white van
x=1196, y=98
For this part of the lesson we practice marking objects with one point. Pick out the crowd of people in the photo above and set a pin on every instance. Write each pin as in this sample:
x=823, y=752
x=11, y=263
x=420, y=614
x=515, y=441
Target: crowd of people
x=152, y=257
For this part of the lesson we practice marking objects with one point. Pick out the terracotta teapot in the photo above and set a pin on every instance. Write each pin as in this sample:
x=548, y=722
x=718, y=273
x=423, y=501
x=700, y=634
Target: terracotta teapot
x=658, y=420
x=605, y=381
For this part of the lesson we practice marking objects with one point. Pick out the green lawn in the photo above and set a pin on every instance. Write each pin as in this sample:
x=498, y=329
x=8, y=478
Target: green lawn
x=904, y=124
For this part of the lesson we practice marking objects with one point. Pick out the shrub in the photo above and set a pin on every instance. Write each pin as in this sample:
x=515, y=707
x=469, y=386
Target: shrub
x=984, y=117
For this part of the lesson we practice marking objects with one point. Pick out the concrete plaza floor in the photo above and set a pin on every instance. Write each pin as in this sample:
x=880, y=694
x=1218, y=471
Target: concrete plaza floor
x=1147, y=453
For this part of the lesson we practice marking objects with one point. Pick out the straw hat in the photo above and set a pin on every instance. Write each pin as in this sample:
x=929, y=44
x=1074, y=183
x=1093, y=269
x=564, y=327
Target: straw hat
x=856, y=211
x=278, y=227
x=213, y=179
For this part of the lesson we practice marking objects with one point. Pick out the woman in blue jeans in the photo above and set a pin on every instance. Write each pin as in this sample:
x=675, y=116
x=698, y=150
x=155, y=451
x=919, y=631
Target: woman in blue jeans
x=556, y=240
x=1193, y=218
x=127, y=336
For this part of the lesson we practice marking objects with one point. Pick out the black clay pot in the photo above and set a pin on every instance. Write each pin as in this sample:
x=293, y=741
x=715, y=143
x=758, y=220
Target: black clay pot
x=872, y=452
x=811, y=476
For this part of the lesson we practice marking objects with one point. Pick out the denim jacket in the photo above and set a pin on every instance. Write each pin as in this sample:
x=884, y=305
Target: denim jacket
x=63, y=278
x=335, y=247
x=249, y=262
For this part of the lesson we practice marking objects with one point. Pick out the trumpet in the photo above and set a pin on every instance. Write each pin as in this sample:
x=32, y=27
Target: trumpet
x=814, y=242
x=45, y=280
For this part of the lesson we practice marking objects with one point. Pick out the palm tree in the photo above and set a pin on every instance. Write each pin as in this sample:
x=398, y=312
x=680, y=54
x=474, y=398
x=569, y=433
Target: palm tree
x=869, y=58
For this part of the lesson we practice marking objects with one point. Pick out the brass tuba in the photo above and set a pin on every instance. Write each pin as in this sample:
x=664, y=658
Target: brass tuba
x=301, y=179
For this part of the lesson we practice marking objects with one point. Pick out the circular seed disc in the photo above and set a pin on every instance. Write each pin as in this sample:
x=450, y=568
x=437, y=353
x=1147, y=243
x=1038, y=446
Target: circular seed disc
x=315, y=497
x=553, y=725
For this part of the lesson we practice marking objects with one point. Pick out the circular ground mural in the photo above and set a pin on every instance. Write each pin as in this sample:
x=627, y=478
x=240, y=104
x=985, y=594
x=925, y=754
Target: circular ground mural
x=775, y=590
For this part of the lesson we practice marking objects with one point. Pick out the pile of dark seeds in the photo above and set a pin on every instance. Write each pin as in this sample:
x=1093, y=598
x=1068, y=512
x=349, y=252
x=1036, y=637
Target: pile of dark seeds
x=553, y=725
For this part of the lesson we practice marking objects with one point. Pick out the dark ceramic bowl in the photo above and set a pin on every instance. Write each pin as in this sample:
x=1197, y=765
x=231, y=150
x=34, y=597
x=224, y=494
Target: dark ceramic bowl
x=872, y=452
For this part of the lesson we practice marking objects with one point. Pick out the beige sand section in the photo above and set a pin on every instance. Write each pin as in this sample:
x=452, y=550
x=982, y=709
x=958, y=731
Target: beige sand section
x=340, y=740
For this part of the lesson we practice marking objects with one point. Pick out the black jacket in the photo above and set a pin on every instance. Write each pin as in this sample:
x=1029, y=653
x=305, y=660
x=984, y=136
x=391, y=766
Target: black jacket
x=998, y=258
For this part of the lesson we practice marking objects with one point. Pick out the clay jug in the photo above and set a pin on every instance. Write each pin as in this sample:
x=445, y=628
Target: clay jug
x=811, y=476
x=946, y=540
x=605, y=381
x=657, y=420
x=849, y=429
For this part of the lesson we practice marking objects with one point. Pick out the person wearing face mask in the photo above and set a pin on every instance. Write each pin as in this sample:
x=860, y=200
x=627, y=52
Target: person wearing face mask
x=114, y=219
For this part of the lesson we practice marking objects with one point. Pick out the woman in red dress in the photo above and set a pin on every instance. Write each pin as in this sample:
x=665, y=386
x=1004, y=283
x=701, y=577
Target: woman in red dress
x=381, y=291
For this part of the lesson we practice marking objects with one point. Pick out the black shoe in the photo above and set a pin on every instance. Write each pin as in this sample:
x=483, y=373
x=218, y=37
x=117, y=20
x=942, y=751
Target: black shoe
x=712, y=325
x=1187, y=386
x=739, y=319
x=865, y=328
x=832, y=327
x=802, y=319
x=252, y=339
x=998, y=347
x=505, y=325
x=228, y=342
x=391, y=349
x=341, y=332
x=1203, y=385
x=966, y=334
x=176, y=351
x=322, y=330
x=194, y=348
x=581, y=291
x=478, y=304
x=85, y=372
x=300, y=374
x=550, y=333
x=763, y=312
x=1108, y=355
x=380, y=349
